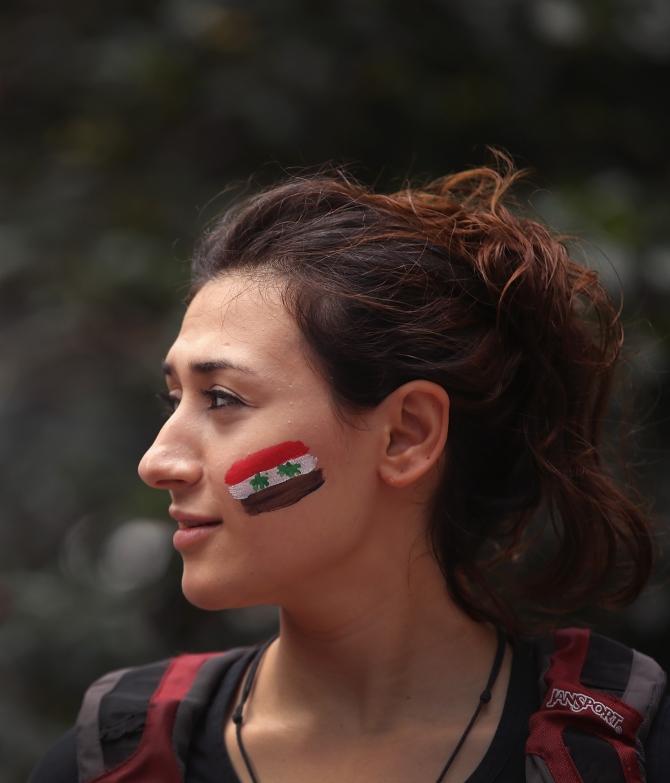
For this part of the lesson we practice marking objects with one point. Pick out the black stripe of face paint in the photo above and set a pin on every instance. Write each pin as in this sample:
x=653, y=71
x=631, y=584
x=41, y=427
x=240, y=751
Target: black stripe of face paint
x=285, y=494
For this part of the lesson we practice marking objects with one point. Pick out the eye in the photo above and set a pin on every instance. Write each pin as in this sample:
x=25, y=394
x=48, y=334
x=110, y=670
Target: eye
x=221, y=399
x=169, y=402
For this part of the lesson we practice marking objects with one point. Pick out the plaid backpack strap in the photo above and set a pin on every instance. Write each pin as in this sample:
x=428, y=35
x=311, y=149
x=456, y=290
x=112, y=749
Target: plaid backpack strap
x=136, y=724
x=599, y=698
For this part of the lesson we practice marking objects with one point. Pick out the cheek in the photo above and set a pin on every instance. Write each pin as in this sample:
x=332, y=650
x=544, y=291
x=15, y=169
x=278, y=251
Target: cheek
x=312, y=517
x=262, y=558
x=274, y=477
x=290, y=545
x=264, y=552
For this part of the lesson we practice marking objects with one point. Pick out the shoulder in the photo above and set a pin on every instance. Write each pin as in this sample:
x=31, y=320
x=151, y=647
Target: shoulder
x=602, y=663
x=112, y=722
x=591, y=685
x=575, y=664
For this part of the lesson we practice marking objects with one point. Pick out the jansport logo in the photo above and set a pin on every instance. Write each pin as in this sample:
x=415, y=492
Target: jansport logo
x=578, y=702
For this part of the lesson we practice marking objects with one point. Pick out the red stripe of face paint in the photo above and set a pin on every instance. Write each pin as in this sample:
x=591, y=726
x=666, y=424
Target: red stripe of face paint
x=264, y=460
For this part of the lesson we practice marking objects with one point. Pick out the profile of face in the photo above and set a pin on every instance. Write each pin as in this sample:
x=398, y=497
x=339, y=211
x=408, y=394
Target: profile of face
x=273, y=489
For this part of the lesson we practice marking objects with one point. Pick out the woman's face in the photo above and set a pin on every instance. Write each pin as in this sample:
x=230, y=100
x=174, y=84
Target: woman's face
x=270, y=490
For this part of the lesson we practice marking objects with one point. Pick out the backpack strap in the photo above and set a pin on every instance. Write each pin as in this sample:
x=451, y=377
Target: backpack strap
x=136, y=724
x=599, y=698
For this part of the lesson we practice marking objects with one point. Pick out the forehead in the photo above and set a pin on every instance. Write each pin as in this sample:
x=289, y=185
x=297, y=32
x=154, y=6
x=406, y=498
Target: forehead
x=246, y=317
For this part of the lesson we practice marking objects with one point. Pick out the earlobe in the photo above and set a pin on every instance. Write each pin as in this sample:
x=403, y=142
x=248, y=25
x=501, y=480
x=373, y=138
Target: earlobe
x=417, y=423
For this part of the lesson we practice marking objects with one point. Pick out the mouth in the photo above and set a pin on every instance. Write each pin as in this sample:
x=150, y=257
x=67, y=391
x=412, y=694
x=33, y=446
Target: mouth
x=192, y=530
x=187, y=520
x=188, y=524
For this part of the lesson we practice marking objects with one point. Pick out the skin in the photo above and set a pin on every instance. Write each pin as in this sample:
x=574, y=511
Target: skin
x=376, y=672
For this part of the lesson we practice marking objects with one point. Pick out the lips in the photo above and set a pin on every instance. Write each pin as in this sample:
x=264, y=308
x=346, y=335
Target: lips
x=189, y=523
x=186, y=519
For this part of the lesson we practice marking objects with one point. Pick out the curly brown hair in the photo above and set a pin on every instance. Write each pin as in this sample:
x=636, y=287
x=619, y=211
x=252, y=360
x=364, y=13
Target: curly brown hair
x=447, y=283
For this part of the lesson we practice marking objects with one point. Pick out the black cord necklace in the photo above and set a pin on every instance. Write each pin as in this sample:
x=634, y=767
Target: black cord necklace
x=484, y=698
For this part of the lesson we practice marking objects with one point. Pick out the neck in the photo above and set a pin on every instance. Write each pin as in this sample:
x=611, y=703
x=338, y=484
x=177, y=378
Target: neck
x=397, y=652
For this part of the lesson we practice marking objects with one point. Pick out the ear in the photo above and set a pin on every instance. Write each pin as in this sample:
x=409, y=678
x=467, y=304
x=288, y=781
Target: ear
x=417, y=423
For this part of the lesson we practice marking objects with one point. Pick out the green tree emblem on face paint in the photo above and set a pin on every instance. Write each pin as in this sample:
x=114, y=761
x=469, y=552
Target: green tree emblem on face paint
x=289, y=469
x=259, y=481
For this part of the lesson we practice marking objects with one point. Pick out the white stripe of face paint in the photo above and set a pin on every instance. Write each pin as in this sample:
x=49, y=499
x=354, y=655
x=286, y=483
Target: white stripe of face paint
x=243, y=489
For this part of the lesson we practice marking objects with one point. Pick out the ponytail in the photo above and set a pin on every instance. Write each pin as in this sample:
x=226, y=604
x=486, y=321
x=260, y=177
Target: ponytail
x=528, y=442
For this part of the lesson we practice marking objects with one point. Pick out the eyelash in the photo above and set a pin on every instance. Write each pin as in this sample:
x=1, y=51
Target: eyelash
x=170, y=403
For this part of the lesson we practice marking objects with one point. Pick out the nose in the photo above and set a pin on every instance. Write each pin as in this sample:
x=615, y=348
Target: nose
x=169, y=466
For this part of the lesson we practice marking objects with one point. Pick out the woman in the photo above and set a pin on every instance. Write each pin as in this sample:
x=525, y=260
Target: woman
x=385, y=420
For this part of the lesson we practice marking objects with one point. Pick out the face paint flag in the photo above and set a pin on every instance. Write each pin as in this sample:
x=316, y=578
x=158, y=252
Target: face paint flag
x=274, y=477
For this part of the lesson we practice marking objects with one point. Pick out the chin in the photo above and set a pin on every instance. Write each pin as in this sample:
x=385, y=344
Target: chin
x=212, y=596
x=204, y=595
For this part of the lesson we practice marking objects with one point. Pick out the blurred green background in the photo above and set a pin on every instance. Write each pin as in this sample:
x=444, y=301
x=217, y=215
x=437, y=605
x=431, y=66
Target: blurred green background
x=124, y=123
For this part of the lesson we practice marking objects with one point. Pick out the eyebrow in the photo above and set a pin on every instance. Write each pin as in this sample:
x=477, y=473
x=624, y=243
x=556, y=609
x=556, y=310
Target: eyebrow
x=203, y=368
